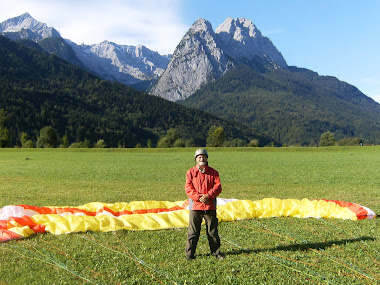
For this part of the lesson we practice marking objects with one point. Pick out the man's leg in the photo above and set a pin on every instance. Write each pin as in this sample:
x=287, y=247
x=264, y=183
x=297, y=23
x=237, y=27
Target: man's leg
x=212, y=232
x=195, y=221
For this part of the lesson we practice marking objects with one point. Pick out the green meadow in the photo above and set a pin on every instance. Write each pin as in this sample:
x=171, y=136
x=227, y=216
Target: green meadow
x=259, y=251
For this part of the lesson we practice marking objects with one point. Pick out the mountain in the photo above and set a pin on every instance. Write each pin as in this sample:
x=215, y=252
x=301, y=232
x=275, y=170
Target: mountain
x=124, y=63
x=198, y=58
x=294, y=105
x=39, y=89
x=204, y=55
x=25, y=27
x=59, y=47
x=233, y=73
x=236, y=73
x=243, y=41
x=130, y=65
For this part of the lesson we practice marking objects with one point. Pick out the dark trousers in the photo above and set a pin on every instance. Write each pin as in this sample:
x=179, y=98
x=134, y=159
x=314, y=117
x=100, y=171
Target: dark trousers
x=194, y=230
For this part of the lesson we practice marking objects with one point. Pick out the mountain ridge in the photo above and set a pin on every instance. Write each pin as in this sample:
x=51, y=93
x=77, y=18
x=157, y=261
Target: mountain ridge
x=26, y=21
x=198, y=56
x=290, y=104
x=124, y=63
x=204, y=55
x=39, y=89
x=294, y=106
x=242, y=40
x=127, y=64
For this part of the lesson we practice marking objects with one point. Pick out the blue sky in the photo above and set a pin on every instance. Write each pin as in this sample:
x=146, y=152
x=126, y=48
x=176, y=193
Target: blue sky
x=340, y=38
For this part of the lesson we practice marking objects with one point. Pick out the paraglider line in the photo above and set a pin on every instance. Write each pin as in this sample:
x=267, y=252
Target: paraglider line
x=140, y=261
x=351, y=235
x=336, y=259
x=68, y=256
x=280, y=260
x=345, y=264
x=269, y=231
x=359, y=274
x=274, y=257
x=119, y=251
x=39, y=256
x=310, y=264
x=355, y=260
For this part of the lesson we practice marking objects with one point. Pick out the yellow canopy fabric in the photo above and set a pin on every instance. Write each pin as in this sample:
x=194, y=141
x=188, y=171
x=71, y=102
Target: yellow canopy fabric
x=23, y=220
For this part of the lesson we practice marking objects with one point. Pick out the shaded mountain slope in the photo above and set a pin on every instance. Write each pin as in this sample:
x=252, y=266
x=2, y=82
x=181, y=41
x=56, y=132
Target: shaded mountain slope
x=293, y=106
x=38, y=90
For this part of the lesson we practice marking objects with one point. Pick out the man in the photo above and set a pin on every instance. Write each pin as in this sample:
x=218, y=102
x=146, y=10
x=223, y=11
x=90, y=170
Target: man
x=202, y=187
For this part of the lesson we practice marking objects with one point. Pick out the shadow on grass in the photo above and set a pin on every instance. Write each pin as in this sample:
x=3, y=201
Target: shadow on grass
x=302, y=246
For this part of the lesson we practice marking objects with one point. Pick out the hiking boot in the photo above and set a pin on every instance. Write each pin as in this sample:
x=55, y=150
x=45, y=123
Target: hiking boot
x=219, y=256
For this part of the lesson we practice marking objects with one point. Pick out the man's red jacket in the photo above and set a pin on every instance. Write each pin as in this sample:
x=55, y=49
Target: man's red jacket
x=198, y=183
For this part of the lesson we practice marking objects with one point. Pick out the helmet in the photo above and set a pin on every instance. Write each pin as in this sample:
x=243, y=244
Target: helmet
x=200, y=151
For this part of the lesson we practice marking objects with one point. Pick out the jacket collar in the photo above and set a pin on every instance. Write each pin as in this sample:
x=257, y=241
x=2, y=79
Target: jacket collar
x=205, y=169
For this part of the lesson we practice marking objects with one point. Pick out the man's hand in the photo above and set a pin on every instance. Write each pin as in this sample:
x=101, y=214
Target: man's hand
x=204, y=199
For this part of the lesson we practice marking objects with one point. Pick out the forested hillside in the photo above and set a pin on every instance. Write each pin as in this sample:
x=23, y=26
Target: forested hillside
x=38, y=90
x=293, y=106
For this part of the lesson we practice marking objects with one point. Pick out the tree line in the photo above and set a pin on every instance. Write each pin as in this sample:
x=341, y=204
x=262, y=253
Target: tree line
x=216, y=137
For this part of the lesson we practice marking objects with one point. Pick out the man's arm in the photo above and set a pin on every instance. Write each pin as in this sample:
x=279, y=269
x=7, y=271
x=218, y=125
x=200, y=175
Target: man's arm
x=216, y=189
x=213, y=192
x=189, y=187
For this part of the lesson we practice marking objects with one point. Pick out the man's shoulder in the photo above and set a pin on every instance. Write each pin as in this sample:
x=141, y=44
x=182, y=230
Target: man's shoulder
x=192, y=169
x=212, y=171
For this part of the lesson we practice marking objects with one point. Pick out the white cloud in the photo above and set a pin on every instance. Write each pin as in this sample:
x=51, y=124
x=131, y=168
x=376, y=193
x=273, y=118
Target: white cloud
x=155, y=24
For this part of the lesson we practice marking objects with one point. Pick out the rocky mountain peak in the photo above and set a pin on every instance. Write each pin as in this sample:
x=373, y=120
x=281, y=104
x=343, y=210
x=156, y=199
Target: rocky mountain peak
x=243, y=41
x=204, y=55
x=127, y=64
x=27, y=22
x=201, y=25
x=240, y=28
x=197, y=58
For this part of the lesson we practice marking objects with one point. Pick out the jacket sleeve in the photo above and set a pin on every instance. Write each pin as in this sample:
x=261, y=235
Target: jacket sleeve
x=189, y=187
x=217, y=188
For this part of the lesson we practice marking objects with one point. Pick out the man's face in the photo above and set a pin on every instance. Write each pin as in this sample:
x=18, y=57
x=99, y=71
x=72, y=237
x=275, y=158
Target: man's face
x=201, y=159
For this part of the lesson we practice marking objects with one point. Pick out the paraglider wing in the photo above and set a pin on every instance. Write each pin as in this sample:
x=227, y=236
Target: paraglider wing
x=24, y=220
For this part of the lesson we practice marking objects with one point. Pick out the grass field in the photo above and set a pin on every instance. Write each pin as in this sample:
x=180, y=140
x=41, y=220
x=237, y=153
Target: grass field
x=260, y=251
